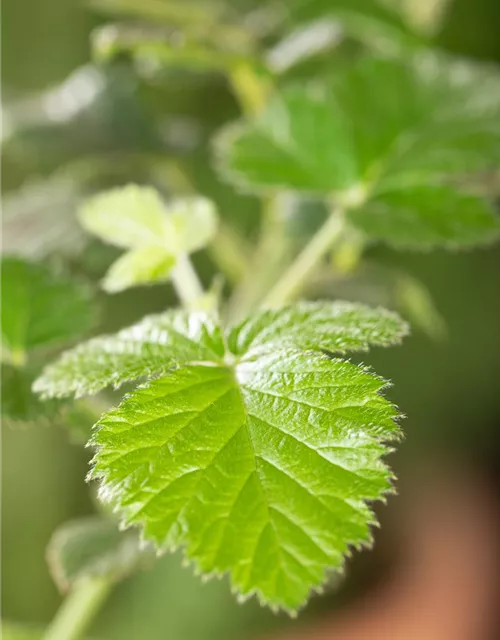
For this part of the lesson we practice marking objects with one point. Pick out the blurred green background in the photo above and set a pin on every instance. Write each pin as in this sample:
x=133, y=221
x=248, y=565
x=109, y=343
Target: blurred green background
x=449, y=390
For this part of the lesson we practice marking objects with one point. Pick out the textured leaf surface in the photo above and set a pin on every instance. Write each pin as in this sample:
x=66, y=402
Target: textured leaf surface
x=92, y=547
x=153, y=346
x=39, y=309
x=434, y=119
x=258, y=451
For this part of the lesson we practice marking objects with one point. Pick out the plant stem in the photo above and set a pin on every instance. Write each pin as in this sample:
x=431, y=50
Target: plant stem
x=268, y=260
x=293, y=280
x=78, y=609
x=186, y=282
x=250, y=89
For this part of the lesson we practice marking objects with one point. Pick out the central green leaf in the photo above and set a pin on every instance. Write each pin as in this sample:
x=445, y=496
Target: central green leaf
x=253, y=448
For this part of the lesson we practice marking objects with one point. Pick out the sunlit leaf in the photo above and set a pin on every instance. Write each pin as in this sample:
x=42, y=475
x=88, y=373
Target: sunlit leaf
x=143, y=265
x=127, y=217
x=156, y=232
x=258, y=451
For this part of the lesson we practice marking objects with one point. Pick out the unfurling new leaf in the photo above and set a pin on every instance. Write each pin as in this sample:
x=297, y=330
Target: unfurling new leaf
x=255, y=448
x=155, y=233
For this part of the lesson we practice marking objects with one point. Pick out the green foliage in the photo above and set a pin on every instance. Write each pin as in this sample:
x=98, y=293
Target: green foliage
x=93, y=547
x=386, y=156
x=20, y=407
x=426, y=216
x=39, y=309
x=381, y=24
x=156, y=235
x=153, y=346
x=259, y=419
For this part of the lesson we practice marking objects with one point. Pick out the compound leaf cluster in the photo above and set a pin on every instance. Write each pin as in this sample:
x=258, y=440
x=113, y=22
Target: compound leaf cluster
x=255, y=448
x=154, y=234
x=387, y=140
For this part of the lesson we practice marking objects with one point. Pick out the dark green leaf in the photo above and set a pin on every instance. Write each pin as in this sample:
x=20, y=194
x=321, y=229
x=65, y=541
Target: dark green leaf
x=39, y=309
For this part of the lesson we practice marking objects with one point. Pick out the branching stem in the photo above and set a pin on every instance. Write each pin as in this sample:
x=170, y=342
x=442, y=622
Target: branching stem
x=186, y=283
x=293, y=280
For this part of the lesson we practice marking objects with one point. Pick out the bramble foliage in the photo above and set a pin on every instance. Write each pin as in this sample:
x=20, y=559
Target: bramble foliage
x=255, y=448
x=388, y=157
x=155, y=235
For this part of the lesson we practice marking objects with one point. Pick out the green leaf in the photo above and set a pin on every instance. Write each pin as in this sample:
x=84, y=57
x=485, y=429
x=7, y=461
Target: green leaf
x=20, y=406
x=434, y=120
x=258, y=452
x=130, y=216
x=93, y=547
x=154, y=346
x=194, y=223
x=301, y=142
x=39, y=309
x=157, y=233
x=143, y=265
x=339, y=327
x=427, y=216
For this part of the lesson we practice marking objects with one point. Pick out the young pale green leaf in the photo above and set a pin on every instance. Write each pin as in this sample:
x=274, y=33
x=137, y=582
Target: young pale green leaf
x=423, y=217
x=93, y=547
x=142, y=265
x=194, y=223
x=39, y=309
x=130, y=216
x=255, y=449
x=155, y=232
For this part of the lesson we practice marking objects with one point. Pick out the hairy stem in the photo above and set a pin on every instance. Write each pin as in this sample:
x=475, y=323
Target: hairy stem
x=186, y=282
x=78, y=609
x=293, y=280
